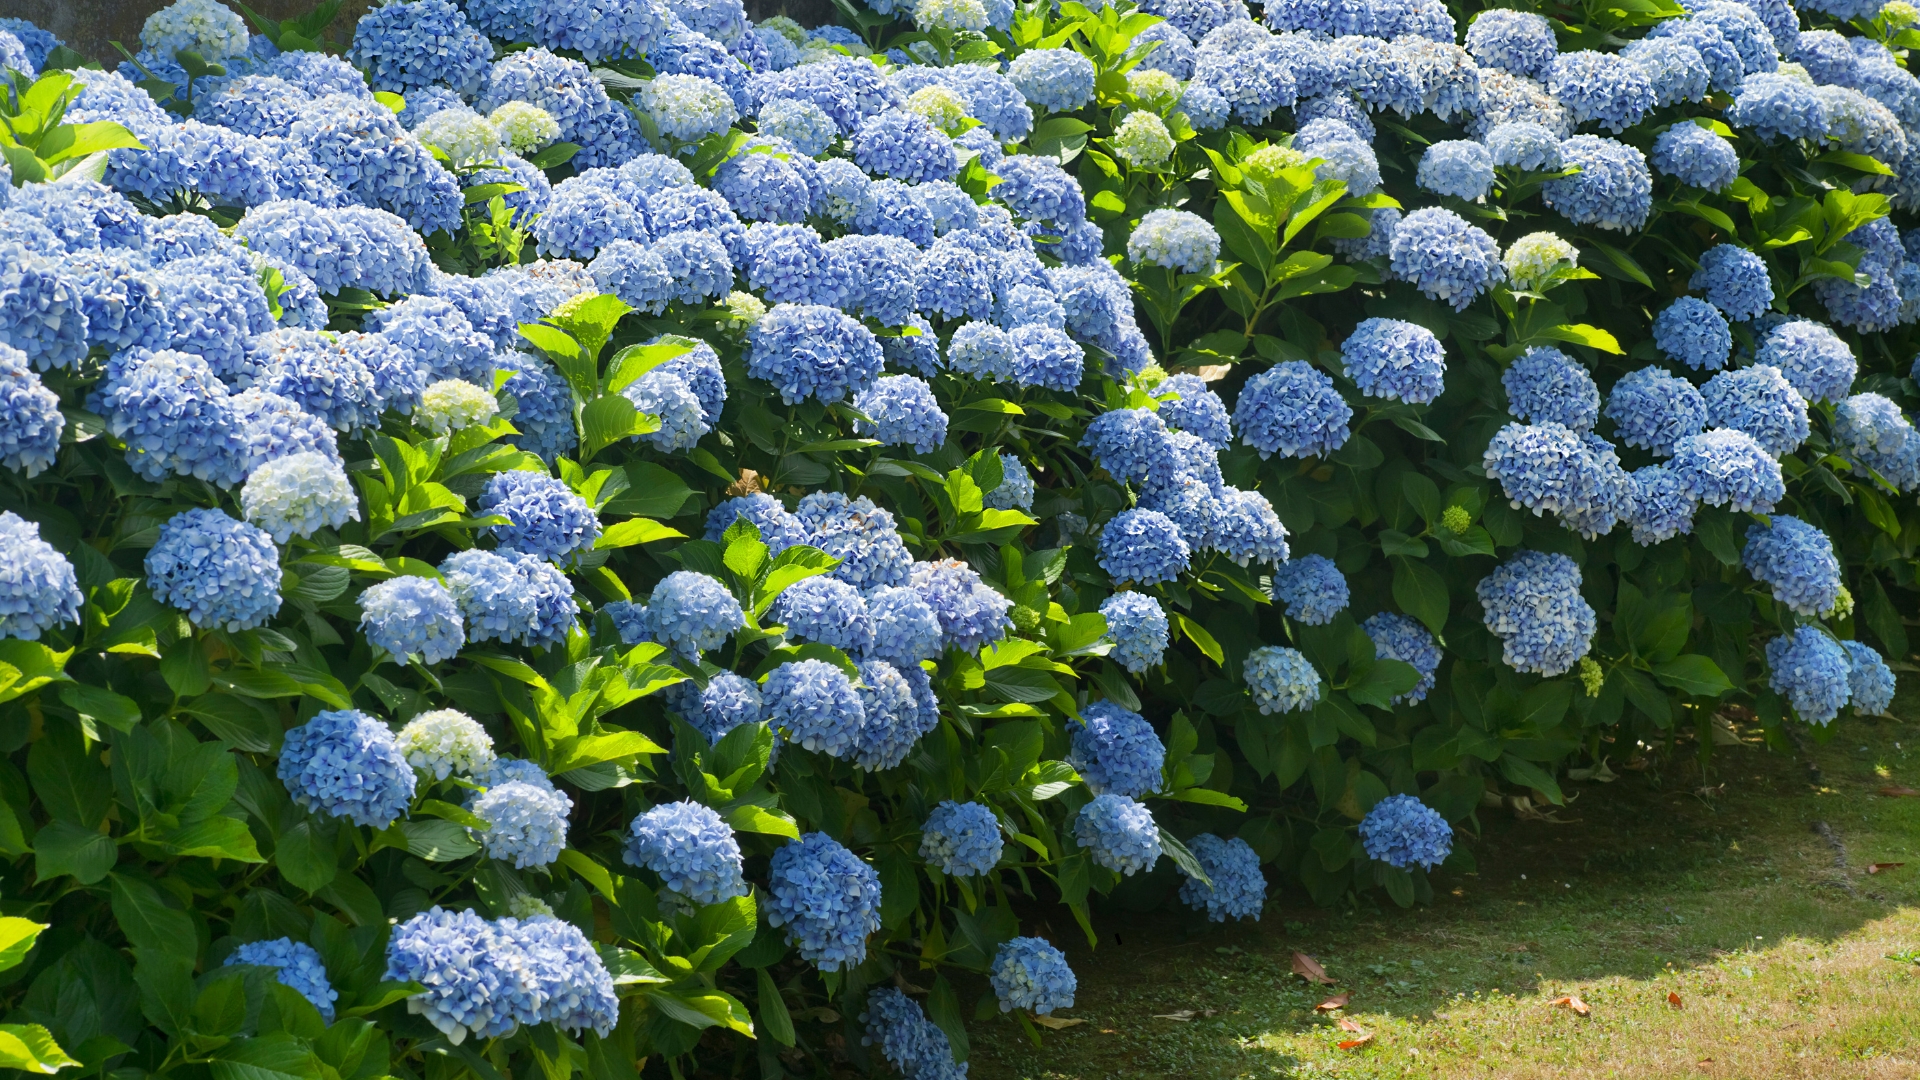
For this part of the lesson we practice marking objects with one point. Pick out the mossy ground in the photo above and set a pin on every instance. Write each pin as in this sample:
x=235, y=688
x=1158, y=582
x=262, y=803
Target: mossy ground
x=1714, y=887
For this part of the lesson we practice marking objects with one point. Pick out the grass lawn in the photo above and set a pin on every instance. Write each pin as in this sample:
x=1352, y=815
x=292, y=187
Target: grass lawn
x=1772, y=937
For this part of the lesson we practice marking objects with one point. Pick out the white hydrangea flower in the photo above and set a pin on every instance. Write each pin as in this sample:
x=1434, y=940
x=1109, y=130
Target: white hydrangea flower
x=202, y=26
x=452, y=404
x=462, y=134
x=525, y=128
x=939, y=106
x=951, y=15
x=1142, y=139
x=446, y=741
x=297, y=494
x=1533, y=258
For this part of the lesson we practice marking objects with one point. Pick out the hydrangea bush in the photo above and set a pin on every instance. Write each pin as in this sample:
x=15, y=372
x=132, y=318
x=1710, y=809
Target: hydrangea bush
x=606, y=535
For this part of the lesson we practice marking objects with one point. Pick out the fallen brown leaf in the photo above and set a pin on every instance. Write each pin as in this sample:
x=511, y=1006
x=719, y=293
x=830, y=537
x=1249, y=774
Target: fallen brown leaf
x=1057, y=1023
x=1900, y=791
x=1337, y=1001
x=1350, y=1025
x=1355, y=1044
x=1883, y=867
x=1572, y=1001
x=1182, y=1016
x=1673, y=999
x=1309, y=969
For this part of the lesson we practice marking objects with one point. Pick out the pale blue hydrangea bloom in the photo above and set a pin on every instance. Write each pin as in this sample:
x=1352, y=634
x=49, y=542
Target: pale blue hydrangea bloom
x=825, y=610
x=1663, y=508
x=1144, y=547
x=981, y=350
x=1446, y=258
x=1175, y=239
x=1870, y=682
x=570, y=981
x=510, y=596
x=582, y=218
x=1879, y=306
x=1378, y=242
x=1532, y=603
x=41, y=311
x=1612, y=190
x=1342, y=154
x=1397, y=637
x=1016, y=489
x=808, y=350
x=1043, y=356
x=691, y=613
x=1165, y=48
x=635, y=273
x=295, y=964
x=1871, y=430
x=1759, y=401
x=544, y=516
x=346, y=764
x=1131, y=444
x=687, y=107
x=1778, y=106
x=1552, y=468
x=861, y=535
x=1735, y=281
x=1516, y=41
x=1676, y=70
x=348, y=247
x=1546, y=385
x=1395, y=360
x=1238, y=889
x=203, y=26
x=826, y=897
x=1460, y=168
x=894, y=718
x=1138, y=629
x=412, y=616
x=30, y=417
x=1726, y=467
x=902, y=411
x=1525, y=146
x=475, y=978
x=905, y=628
x=221, y=572
x=1812, y=671
x=446, y=741
x=420, y=43
x=962, y=839
x=299, y=494
x=1118, y=833
x=1746, y=30
x=1057, y=80
x=1312, y=588
x=727, y=702
x=466, y=137
x=814, y=704
x=1652, y=409
x=1029, y=973
x=1797, y=561
x=1693, y=332
x=971, y=614
x=545, y=403
x=955, y=279
x=1601, y=88
x=1404, y=832
x=664, y=394
x=38, y=587
x=527, y=823
x=120, y=298
x=909, y=1041
x=1116, y=750
x=1294, y=410
x=802, y=123
x=1281, y=680
x=779, y=529
x=691, y=848
x=1204, y=107
x=904, y=146
x=1197, y=410
x=1813, y=359
x=1509, y=99
x=1248, y=67
x=1246, y=528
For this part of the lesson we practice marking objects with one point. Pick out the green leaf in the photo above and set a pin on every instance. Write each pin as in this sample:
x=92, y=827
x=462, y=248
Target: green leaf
x=1527, y=774
x=652, y=491
x=1421, y=592
x=32, y=665
x=148, y=922
x=591, y=872
x=62, y=847
x=1386, y=680
x=1209, y=797
x=1694, y=674
x=1582, y=334
x=215, y=838
x=17, y=936
x=636, y=531
x=757, y=819
x=30, y=1048
x=1022, y=684
x=1201, y=639
x=438, y=841
x=773, y=1010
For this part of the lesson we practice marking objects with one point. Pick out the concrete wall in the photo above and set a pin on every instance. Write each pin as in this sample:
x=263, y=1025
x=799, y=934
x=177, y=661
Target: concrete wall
x=89, y=25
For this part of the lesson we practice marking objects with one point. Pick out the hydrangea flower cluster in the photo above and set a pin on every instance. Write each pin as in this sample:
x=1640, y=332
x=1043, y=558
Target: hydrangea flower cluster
x=1137, y=626
x=1115, y=749
x=1281, y=680
x=526, y=823
x=692, y=850
x=38, y=587
x=828, y=900
x=446, y=741
x=1029, y=973
x=1118, y=833
x=1404, y=832
x=412, y=616
x=1812, y=671
x=1797, y=561
x=1399, y=361
x=1532, y=603
x=961, y=838
x=347, y=764
x=296, y=965
x=908, y=1040
x=1235, y=889
x=486, y=979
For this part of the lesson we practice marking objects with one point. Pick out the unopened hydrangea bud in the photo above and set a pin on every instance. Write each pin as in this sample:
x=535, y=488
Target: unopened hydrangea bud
x=1153, y=88
x=1842, y=606
x=528, y=906
x=1455, y=519
x=452, y=404
x=940, y=107
x=745, y=307
x=1592, y=678
x=1899, y=13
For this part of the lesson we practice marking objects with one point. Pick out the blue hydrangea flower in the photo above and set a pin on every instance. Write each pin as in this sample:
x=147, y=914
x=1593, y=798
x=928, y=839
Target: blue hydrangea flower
x=1016, y=489
x=1341, y=154
x=665, y=395
x=1138, y=629
x=510, y=596
x=1871, y=430
x=1726, y=467
x=1399, y=361
x=121, y=300
x=1696, y=155
x=1396, y=637
x=346, y=764
x=274, y=427
x=1652, y=409
x=902, y=411
x=1029, y=973
x=569, y=92
x=567, y=976
x=1460, y=168
x=1797, y=561
x=828, y=611
x=692, y=850
x=1292, y=409
x=1238, y=889
x=1552, y=468
x=904, y=146
x=1525, y=146
x=527, y=823
x=1759, y=401
x=296, y=964
x=1246, y=528
x=41, y=311
x=1196, y=410
x=1057, y=80
x=827, y=898
x=410, y=616
x=905, y=628
x=1164, y=47
x=1144, y=547
x=1532, y=603
x=1812, y=358
x=1312, y=588
x=1778, y=106
x=30, y=417
x=420, y=43
x=1248, y=68
x=802, y=123
x=971, y=613
x=1881, y=305
x=545, y=404
x=1175, y=239
x=1735, y=281
x=894, y=720
x=38, y=588
x=981, y=350
x=779, y=529
x=1131, y=444
x=36, y=42
x=1812, y=670
x=544, y=516
x=1870, y=681
x=808, y=350
x=1546, y=385
x=697, y=264
x=349, y=247
x=814, y=704
x=913, y=1044
x=440, y=338
x=858, y=533
x=691, y=613
x=221, y=572
x=725, y=703
x=1446, y=258
x=1516, y=41
x=299, y=494
x=1403, y=832
x=445, y=741
x=1663, y=508
x=1118, y=833
x=1045, y=357
x=1693, y=332
x=1601, y=88
x=475, y=978
x=1205, y=108
x=1675, y=70
x=1612, y=190
x=1515, y=99
x=1116, y=750
x=1281, y=680
x=582, y=218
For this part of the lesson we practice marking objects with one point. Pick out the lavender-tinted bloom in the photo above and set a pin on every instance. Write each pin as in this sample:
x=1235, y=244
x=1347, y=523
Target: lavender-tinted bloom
x=1403, y=832
x=972, y=615
x=544, y=516
x=1797, y=561
x=1735, y=281
x=1812, y=671
x=346, y=764
x=1693, y=332
x=826, y=897
x=1546, y=385
x=858, y=533
x=691, y=848
x=1144, y=547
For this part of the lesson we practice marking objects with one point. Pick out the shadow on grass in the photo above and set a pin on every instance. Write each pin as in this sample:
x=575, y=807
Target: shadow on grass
x=1717, y=885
